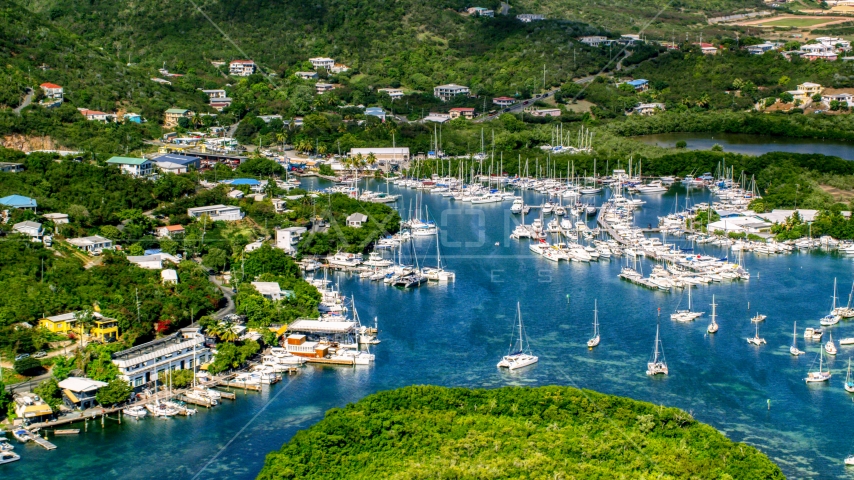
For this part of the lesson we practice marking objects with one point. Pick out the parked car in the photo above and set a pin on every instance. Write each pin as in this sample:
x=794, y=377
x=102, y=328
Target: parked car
x=40, y=354
x=22, y=356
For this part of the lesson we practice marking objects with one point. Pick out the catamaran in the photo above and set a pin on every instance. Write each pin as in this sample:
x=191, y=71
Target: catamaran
x=686, y=315
x=595, y=340
x=831, y=318
x=755, y=340
x=713, y=327
x=830, y=347
x=794, y=350
x=820, y=375
x=519, y=356
x=657, y=364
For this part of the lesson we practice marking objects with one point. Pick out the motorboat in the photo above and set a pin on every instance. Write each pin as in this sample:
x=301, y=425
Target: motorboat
x=136, y=411
x=517, y=205
x=343, y=259
x=5, y=446
x=375, y=259
x=830, y=347
x=9, y=457
x=162, y=409
x=652, y=187
x=22, y=435
x=813, y=333
x=520, y=354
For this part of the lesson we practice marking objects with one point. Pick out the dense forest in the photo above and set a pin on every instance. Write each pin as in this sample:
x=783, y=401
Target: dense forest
x=557, y=432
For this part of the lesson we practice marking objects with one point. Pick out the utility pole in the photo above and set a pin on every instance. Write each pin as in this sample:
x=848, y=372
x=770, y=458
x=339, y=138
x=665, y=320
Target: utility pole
x=544, y=76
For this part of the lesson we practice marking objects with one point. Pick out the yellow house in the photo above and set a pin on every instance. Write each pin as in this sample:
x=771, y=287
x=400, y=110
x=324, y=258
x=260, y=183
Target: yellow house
x=105, y=330
x=810, y=88
x=59, y=323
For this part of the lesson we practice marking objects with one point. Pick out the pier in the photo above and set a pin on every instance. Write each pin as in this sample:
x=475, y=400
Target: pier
x=44, y=443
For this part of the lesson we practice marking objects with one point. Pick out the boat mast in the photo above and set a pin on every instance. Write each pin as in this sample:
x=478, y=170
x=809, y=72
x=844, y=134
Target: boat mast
x=519, y=313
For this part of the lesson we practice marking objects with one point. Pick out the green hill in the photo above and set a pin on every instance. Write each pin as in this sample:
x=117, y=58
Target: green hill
x=545, y=432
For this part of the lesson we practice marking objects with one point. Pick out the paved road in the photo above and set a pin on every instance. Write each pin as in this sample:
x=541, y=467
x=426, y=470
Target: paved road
x=229, y=297
x=28, y=98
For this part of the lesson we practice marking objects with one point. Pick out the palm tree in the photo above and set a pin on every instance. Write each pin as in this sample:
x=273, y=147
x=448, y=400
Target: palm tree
x=321, y=149
x=228, y=334
x=197, y=119
x=371, y=159
x=358, y=161
x=281, y=137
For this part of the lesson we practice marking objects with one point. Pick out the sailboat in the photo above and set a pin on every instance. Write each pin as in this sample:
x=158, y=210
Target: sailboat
x=820, y=375
x=657, y=364
x=686, y=315
x=849, y=384
x=831, y=318
x=438, y=274
x=755, y=340
x=519, y=356
x=595, y=340
x=830, y=347
x=794, y=350
x=713, y=327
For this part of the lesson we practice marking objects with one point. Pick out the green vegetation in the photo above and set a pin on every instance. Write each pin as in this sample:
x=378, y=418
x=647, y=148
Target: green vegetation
x=229, y=355
x=28, y=366
x=49, y=391
x=382, y=221
x=795, y=22
x=116, y=391
x=176, y=378
x=546, y=432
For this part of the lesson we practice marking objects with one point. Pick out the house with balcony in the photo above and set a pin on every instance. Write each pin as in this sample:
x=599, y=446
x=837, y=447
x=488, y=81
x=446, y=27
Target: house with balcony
x=288, y=238
x=465, y=112
x=9, y=167
x=759, y=49
x=173, y=115
x=323, y=87
x=375, y=112
x=79, y=392
x=449, y=91
x=226, y=213
x=105, y=330
x=96, y=116
x=593, y=40
x=33, y=230
x=481, y=12
x=503, y=101
x=241, y=68
x=322, y=62
x=66, y=323
x=53, y=94
x=843, y=98
x=646, y=109
x=394, y=93
x=169, y=231
x=530, y=17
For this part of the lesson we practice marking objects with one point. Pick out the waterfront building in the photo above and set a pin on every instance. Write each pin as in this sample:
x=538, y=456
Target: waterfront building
x=180, y=351
x=79, y=392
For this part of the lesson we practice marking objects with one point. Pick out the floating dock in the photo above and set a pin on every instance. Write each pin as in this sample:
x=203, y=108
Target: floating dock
x=331, y=361
x=44, y=443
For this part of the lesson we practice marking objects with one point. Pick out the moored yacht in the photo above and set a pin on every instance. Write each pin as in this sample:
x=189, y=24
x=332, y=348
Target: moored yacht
x=520, y=353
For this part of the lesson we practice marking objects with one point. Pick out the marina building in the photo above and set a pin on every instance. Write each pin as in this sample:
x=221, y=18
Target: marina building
x=79, y=392
x=31, y=407
x=311, y=338
x=180, y=351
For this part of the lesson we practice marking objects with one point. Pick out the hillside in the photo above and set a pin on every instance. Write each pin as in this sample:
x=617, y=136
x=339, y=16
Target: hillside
x=401, y=42
x=546, y=432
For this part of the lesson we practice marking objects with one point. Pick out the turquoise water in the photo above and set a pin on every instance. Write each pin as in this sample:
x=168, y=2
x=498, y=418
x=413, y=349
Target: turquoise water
x=455, y=334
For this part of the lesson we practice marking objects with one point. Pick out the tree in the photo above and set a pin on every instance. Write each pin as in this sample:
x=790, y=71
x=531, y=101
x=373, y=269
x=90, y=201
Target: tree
x=169, y=246
x=116, y=391
x=62, y=367
x=215, y=259
x=681, y=144
x=102, y=368
x=5, y=398
x=177, y=378
x=136, y=250
x=786, y=97
x=28, y=366
x=49, y=391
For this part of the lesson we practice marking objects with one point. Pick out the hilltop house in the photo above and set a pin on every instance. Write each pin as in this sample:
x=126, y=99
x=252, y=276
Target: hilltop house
x=449, y=91
x=171, y=116
x=138, y=167
x=593, y=40
x=467, y=113
x=241, y=68
x=760, y=48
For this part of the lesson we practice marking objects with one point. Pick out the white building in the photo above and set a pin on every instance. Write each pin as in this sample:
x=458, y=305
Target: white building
x=839, y=44
x=140, y=365
x=270, y=290
x=760, y=48
x=169, y=276
x=307, y=75
x=846, y=99
x=322, y=62
x=647, y=109
x=530, y=17
x=138, y=167
x=593, y=40
x=31, y=229
x=52, y=91
x=449, y=91
x=152, y=262
x=394, y=93
x=356, y=220
x=56, y=218
x=241, y=68
x=226, y=213
x=93, y=244
x=288, y=238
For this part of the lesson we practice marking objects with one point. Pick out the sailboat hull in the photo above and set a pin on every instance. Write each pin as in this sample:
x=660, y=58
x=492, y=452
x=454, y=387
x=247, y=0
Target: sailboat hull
x=516, y=361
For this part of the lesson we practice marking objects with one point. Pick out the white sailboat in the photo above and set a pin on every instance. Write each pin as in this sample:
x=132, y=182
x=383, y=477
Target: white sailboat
x=756, y=340
x=713, y=327
x=519, y=356
x=657, y=365
x=849, y=384
x=830, y=347
x=595, y=340
x=686, y=315
x=794, y=350
x=831, y=318
x=438, y=274
x=820, y=375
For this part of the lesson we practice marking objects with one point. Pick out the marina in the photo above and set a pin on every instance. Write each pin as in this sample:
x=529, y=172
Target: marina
x=447, y=334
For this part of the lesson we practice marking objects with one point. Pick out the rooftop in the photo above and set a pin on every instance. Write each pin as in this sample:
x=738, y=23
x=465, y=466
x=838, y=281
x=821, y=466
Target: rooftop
x=49, y=85
x=161, y=346
x=81, y=384
x=179, y=159
x=126, y=161
x=321, y=326
x=178, y=111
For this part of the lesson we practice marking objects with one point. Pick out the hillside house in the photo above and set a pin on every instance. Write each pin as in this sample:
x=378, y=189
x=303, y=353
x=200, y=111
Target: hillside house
x=394, y=93
x=530, y=17
x=323, y=87
x=53, y=93
x=33, y=230
x=169, y=231
x=96, y=116
x=760, y=48
x=138, y=167
x=9, y=167
x=173, y=115
x=92, y=244
x=503, y=101
x=845, y=99
x=307, y=75
x=640, y=85
x=646, y=109
x=593, y=40
x=241, y=68
x=449, y=91
x=465, y=112
x=56, y=218
x=322, y=62
x=375, y=112
x=225, y=213
x=480, y=12
x=355, y=220
x=18, y=201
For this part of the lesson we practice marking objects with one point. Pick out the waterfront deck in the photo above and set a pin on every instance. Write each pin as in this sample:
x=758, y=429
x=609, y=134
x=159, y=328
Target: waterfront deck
x=44, y=443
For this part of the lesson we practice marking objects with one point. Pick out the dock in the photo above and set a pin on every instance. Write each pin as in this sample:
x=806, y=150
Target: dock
x=227, y=395
x=44, y=443
x=331, y=361
x=67, y=431
x=207, y=403
x=245, y=386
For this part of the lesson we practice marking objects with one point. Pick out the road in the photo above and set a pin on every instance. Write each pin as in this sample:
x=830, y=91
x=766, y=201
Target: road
x=519, y=106
x=28, y=98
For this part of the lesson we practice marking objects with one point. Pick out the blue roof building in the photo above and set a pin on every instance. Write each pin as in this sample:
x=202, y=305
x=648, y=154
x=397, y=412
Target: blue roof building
x=183, y=160
x=639, y=84
x=243, y=181
x=18, y=201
